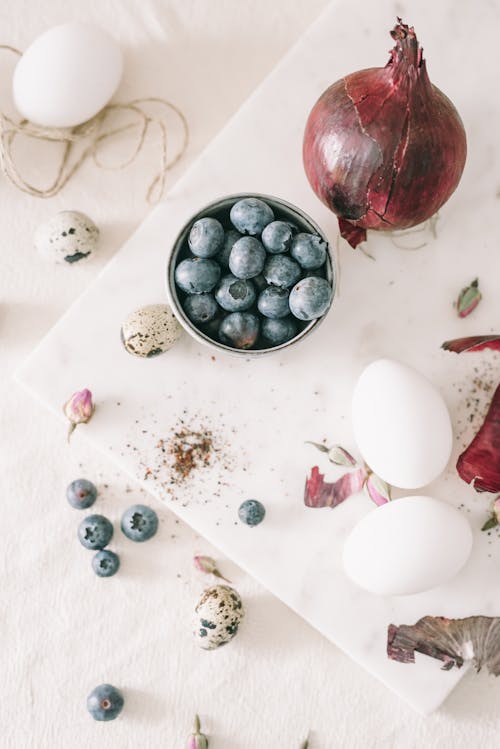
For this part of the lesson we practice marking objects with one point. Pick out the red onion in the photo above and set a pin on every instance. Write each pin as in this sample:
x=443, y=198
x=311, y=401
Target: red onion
x=383, y=147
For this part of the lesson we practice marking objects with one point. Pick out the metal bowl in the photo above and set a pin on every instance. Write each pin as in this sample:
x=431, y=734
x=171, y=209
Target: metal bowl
x=219, y=209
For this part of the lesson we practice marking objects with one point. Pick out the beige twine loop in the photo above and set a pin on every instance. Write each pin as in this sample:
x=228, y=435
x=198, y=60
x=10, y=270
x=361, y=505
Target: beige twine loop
x=69, y=138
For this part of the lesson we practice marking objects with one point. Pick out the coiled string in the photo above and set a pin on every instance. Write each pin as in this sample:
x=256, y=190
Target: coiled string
x=94, y=134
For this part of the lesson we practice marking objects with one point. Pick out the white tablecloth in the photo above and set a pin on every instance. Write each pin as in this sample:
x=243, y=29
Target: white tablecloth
x=62, y=629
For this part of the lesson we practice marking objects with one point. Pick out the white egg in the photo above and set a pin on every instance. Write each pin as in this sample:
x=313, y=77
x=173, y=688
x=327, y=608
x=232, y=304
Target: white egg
x=150, y=330
x=401, y=424
x=67, y=237
x=67, y=75
x=407, y=546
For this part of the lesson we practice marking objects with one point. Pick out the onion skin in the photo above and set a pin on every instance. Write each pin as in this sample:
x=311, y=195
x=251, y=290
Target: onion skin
x=384, y=148
x=479, y=464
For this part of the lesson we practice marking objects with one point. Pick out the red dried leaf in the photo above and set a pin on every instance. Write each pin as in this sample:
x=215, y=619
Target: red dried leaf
x=473, y=343
x=321, y=493
x=452, y=641
x=479, y=464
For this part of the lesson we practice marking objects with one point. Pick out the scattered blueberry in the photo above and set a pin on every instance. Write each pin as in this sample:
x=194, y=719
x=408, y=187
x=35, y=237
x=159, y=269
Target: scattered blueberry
x=247, y=258
x=278, y=331
x=235, y=294
x=106, y=563
x=139, y=523
x=251, y=215
x=251, y=512
x=310, y=298
x=200, y=308
x=197, y=275
x=206, y=237
x=105, y=702
x=273, y=302
x=95, y=532
x=281, y=270
x=230, y=238
x=277, y=237
x=239, y=329
x=81, y=494
x=308, y=250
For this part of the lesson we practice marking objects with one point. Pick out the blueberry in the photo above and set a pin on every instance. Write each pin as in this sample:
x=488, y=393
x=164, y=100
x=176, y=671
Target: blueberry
x=277, y=237
x=281, y=271
x=240, y=330
x=273, y=302
x=197, y=275
x=251, y=215
x=200, y=308
x=235, y=294
x=247, y=258
x=279, y=331
x=105, y=702
x=106, y=563
x=251, y=512
x=95, y=532
x=309, y=250
x=206, y=237
x=230, y=238
x=81, y=494
x=310, y=298
x=139, y=523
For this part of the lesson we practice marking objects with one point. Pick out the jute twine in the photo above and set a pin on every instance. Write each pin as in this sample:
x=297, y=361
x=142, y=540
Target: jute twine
x=93, y=134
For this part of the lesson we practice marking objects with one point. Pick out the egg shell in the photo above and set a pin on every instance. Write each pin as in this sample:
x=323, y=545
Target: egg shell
x=150, y=331
x=70, y=236
x=217, y=616
x=67, y=75
x=407, y=546
x=401, y=424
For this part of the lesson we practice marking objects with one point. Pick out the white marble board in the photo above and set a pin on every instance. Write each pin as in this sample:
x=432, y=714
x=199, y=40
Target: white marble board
x=262, y=411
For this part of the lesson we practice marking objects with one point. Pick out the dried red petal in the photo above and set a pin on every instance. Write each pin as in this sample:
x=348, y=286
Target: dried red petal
x=479, y=464
x=472, y=343
x=321, y=493
x=452, y=641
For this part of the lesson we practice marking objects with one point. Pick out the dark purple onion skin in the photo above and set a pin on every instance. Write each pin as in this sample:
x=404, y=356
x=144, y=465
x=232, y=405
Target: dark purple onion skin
x=384, y=148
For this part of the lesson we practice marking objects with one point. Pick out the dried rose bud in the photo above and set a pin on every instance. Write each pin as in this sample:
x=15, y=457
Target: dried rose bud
x=209, y=566
x=340, y=456
x=468, y=299
x=378, y=489
x=197, y=740
x=494, y=518
x=79, y=409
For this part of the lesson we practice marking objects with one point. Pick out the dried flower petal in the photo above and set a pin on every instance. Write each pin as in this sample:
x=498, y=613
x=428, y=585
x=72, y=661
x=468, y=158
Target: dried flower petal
x=197, y=740
x=340, y=456
x=479, y=464
x=472, y=343
x=453, y=641
x=209, y=566
x=378, y=489
x=468, y=299
x=79, y=409
x=321, y=493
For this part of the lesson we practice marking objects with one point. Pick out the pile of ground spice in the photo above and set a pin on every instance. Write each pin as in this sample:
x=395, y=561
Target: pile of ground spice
x=190, y=450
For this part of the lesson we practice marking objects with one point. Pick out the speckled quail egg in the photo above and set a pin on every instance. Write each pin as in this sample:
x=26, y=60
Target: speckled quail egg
x=69, y=236
x=218, y=615
x=150, y=330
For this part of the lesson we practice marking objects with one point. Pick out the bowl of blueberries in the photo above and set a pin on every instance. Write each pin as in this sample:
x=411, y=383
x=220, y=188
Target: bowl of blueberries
x=250, y=274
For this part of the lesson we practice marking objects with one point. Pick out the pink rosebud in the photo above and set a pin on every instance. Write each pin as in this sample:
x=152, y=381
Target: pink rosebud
x=197, y=740
x=378, y=490
x=468, y=299
x=208, y=565
x=79, y=409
